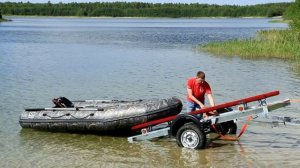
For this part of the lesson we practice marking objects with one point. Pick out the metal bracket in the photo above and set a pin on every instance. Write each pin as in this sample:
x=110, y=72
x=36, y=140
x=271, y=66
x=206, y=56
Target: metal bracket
x=150, y=135
x=262, y=102
x=265, y=112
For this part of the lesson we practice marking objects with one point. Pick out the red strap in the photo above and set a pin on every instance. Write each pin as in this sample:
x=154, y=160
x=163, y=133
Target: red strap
x=232, y=137
x=243, y=129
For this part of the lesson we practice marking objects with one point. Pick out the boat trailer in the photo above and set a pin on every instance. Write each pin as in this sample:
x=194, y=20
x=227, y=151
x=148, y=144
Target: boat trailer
x=190, y=130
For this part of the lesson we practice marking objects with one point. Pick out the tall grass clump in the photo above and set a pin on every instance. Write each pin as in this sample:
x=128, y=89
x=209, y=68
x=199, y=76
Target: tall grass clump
x=284, y=44
x=1, y=18
x=293, y=13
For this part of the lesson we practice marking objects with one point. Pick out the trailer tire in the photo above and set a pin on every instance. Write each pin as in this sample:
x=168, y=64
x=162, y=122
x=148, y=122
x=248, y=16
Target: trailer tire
x=191, y=136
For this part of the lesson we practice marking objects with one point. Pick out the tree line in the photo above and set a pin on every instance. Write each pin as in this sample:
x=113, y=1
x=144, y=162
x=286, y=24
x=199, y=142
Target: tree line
x=140, y=9
x=293, y=14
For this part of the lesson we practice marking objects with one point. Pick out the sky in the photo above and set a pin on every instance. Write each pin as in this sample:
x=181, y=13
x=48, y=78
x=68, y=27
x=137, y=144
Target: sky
x=219, y=2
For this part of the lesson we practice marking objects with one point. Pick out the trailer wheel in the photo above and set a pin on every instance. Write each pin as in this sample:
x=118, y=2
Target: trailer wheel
x=190, y=136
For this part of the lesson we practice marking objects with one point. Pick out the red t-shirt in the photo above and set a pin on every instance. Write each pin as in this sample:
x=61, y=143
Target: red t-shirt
x=198, y=89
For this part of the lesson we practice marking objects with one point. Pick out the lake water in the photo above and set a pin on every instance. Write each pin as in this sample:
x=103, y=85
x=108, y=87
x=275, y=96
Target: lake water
x=113, y=58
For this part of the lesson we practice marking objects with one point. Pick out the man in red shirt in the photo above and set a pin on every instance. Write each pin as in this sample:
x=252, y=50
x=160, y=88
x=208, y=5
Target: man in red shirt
x=197, y=88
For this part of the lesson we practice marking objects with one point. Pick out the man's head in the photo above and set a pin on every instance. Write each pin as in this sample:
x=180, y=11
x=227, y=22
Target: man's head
x=200, y=77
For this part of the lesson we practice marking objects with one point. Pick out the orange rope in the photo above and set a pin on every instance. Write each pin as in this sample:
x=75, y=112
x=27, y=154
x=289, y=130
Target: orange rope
x=243, y=129
x=232, y=137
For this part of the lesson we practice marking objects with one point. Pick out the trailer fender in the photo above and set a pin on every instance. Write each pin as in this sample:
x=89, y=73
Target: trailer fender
x=182, y=119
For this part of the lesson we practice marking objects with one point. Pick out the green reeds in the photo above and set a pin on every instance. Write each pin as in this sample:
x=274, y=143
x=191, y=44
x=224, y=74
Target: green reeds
x=1, y=18
x=284, y=44
x=4, y=20
x=279, y=21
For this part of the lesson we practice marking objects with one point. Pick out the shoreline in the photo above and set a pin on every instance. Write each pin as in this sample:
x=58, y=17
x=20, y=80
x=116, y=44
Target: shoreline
x=137, y=17
x=282, y=44
x=279, y=44
x=4, y=20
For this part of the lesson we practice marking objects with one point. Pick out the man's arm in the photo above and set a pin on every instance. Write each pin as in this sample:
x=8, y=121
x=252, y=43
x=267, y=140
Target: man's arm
x=190, y=94
x=212, y=103
x=211, y=100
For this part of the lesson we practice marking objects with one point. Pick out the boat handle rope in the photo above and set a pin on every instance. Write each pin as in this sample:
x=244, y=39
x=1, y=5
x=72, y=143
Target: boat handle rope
x=68, y=114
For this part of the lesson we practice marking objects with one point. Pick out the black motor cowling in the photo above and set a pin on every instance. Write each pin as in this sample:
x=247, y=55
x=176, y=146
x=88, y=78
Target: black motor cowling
x=62, y=102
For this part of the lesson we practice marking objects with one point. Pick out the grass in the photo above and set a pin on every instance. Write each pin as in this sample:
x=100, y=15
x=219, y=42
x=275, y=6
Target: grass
x=4, y=20
x=279, y=21
x=283, y=44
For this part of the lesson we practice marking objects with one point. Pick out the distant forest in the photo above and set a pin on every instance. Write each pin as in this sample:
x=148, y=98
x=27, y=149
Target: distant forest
x=139, y=9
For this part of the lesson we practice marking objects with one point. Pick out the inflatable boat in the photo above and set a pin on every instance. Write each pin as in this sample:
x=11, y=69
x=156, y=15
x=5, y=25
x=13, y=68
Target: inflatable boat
x=99, y=115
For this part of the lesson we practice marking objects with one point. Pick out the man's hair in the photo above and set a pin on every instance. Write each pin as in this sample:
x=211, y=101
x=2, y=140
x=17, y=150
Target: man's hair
x=201, y=75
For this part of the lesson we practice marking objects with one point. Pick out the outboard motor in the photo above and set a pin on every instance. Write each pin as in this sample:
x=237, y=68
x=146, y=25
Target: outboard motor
x=62, y=102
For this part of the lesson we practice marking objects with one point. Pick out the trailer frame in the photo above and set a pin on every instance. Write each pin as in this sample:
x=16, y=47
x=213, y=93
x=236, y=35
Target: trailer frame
x=190, y=130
